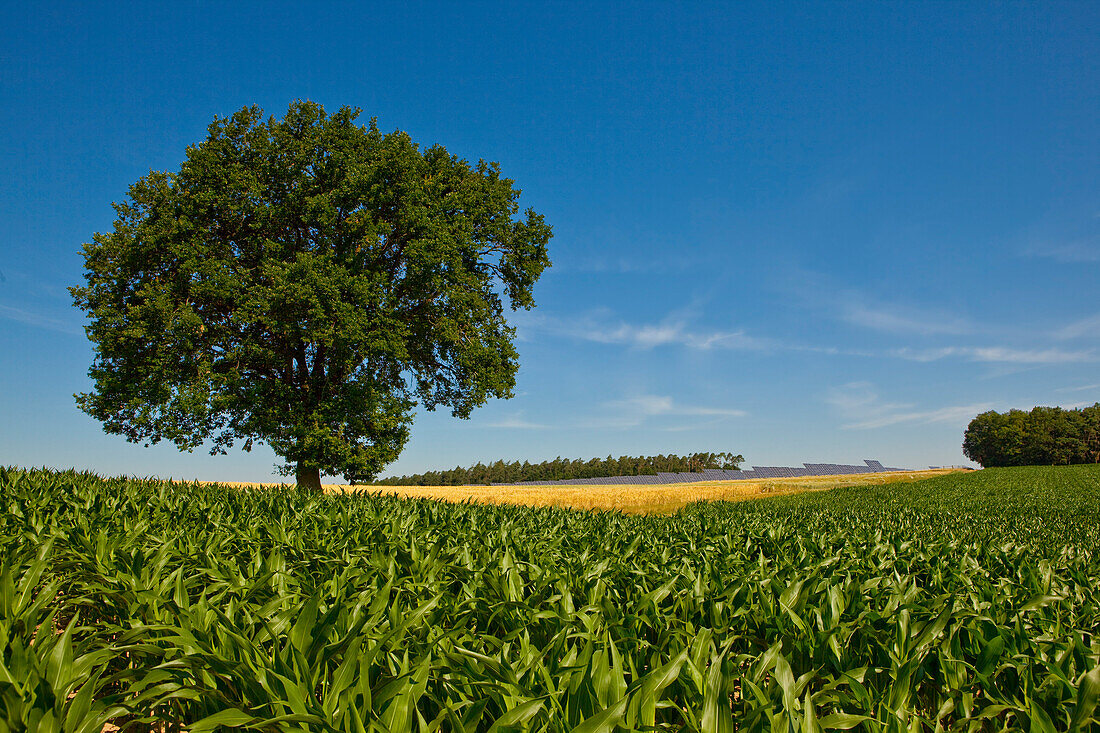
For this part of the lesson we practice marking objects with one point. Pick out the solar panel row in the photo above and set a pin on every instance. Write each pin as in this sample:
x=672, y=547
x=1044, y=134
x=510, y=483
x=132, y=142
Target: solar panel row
x=717, y=474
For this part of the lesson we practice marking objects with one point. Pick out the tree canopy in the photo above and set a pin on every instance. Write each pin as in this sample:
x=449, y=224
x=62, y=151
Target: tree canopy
x=1041, y=436
x=564, y=468
x=305, y=282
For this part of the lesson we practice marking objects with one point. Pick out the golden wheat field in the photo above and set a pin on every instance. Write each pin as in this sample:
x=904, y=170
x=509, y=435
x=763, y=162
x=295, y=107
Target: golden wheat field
x=633, y=499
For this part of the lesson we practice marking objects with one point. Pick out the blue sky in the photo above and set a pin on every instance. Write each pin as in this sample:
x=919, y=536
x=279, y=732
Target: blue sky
x=797, y=232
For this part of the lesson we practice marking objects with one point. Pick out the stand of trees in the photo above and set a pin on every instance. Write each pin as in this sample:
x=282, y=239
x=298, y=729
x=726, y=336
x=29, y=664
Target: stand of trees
x=564, y=468
x=1043, y=436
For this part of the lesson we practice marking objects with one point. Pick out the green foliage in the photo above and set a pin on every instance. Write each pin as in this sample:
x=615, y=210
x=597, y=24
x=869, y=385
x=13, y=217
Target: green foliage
x=1044, y=436
x=49, y=681
x=304, y=282
x=563, y=468
x=966, y=602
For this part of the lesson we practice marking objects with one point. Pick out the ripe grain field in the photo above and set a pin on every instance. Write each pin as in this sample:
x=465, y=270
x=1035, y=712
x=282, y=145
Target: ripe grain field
x=630, y=499
x=958, y=602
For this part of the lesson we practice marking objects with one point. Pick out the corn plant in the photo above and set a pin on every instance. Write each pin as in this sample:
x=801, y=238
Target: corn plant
x=967, y=602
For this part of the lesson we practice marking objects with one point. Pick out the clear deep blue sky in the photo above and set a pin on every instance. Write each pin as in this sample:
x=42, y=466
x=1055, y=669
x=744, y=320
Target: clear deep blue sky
x=797, y=232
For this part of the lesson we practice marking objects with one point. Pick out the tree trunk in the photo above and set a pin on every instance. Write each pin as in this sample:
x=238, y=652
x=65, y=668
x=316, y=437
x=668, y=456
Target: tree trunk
x=308, y=477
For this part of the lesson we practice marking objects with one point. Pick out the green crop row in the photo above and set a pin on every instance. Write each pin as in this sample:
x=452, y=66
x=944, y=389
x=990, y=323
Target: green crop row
x=965, y=602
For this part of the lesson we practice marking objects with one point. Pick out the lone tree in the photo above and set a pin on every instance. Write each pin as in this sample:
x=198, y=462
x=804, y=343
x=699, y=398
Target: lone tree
x=304, y=282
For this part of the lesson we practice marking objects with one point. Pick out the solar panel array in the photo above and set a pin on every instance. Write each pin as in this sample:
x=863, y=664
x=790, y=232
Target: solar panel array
x=717, y=474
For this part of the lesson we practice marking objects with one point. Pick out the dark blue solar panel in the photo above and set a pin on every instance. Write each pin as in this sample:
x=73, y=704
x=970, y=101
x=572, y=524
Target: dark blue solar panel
x=717, y=474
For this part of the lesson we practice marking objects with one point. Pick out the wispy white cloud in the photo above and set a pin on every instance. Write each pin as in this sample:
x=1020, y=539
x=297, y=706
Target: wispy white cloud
x=998, y=355
x=824, y=295
x=39, y=321
x=1082, y=388
x=696, y=425
x=903, y=319
x=601, y=264
x=1077, y=405
x=663, y=405
x=860, y=405
x=602, y=328
x=1084, y=328
x=676, y=330
x=648, y=336
x=1076, y=252
x=860, y=400
x=954, y=414
x=633, y=411
x=515, y=421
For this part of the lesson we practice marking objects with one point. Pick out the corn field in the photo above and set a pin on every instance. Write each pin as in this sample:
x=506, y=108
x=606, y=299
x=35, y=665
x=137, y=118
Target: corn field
x=967, y=602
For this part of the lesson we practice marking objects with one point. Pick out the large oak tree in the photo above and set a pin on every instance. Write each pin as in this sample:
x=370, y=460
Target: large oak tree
x=305, y=282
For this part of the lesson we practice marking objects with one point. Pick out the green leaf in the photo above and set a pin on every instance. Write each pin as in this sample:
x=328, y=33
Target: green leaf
x=1040, y=601
x=717, y=716
x=1040, y=721
x=841, y=721
x=230, y=718
x=605, y=721
x=1088, y=693
x=517, y=716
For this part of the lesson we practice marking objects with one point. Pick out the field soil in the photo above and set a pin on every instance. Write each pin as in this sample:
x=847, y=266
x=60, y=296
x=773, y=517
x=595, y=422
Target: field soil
x=633, y=498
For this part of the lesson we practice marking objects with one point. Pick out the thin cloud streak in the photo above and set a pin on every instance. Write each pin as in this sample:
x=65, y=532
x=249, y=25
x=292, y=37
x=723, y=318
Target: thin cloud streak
x=1082, y=388
x=515, y=422
x=861, y=406
x=1069, y=253
x=1077, y=405
x=904, y=320
x=823, y=294
x=659, y=405
x=954, y=414
x=670, y=332
x=652, y=335
x=998, y=355
x=693, y=426
x=1083, y=328
x=39, y=321
x=621, y=265
x=633, y=411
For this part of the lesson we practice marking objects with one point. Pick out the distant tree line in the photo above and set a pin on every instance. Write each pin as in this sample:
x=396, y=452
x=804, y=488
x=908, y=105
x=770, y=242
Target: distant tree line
x=1043, y=436
x=502, y=472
